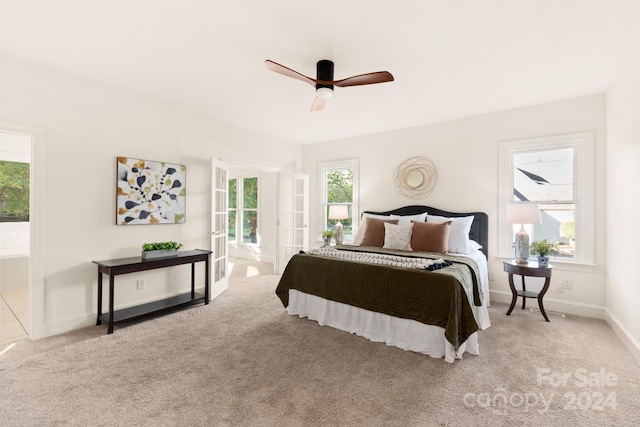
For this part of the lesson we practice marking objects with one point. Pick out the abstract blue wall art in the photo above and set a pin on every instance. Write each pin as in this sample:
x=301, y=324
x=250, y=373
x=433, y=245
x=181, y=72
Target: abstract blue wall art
x=150, y=192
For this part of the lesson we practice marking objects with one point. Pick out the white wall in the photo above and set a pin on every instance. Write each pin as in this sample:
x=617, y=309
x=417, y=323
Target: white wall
x=86, y=126
x=623, y=205
x=465, y=152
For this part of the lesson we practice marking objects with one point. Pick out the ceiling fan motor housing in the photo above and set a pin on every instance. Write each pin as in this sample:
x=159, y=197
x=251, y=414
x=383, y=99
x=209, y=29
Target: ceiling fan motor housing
x=324, y=72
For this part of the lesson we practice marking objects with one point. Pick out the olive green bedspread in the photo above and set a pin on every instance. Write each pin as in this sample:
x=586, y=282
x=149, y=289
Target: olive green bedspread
x=431, y=297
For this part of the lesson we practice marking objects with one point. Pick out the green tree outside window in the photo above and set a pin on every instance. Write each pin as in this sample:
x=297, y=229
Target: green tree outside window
x=14, y=191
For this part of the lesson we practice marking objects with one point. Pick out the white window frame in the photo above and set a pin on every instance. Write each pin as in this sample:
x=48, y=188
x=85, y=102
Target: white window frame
x=583, y=182
x=240, y=210
x=323, y=167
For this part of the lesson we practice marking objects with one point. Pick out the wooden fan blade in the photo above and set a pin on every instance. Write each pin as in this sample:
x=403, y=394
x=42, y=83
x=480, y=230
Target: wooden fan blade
x=281, y=69
x=318, y=104
x=365, y=79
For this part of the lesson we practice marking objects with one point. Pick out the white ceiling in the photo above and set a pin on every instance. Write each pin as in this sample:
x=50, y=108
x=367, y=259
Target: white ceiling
x=450, y=58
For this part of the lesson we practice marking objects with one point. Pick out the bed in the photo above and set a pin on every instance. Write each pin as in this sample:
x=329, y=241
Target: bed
x=421, y=286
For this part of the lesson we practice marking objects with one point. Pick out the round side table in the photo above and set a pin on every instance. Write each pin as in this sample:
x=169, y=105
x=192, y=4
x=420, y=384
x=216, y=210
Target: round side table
x=530, y=269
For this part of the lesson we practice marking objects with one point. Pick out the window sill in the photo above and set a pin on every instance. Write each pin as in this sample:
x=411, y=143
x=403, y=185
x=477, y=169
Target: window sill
x=21, y=253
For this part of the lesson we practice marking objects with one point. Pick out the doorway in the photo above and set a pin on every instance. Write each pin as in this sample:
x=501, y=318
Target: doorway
x=15, y=227
x=268, y=215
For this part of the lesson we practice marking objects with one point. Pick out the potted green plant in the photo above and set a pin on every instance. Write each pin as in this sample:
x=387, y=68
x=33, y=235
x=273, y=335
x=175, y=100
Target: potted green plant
x=160, y=249
x=543, y=249
x=326, y=237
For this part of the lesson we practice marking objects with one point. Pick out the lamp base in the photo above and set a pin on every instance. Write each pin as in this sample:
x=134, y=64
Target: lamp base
x=339, y=233
x=522, y=247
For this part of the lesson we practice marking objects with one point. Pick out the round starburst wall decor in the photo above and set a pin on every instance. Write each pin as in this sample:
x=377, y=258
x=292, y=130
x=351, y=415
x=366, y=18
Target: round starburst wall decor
x=416, y=177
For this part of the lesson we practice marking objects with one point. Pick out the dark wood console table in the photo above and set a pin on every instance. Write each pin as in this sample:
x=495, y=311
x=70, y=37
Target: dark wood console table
x=530, y=269
x=116, y=267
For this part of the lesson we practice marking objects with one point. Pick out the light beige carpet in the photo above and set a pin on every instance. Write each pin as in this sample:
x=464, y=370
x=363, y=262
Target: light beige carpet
x=242, y=360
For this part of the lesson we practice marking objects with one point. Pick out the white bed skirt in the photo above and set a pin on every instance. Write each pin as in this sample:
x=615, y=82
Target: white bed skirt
x=403, y=333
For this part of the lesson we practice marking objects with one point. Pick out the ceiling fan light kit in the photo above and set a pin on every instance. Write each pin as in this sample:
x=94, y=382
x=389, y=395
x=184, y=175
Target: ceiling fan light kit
x=324, y=82
x=324, y=92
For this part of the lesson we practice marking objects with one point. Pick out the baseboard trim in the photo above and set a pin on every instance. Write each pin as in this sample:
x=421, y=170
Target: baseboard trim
x=625, y=336
x=551, y=304
x=82, y=321
x=68, y=325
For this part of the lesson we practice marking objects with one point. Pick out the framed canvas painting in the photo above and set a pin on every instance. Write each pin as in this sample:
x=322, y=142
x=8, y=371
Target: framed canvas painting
x=150, y=192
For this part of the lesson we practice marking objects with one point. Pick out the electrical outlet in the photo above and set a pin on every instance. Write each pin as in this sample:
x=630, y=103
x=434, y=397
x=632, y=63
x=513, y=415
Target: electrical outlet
x=567, y=284
x=142, y=283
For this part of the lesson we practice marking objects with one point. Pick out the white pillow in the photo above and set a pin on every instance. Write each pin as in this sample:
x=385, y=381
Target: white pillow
x=357, y=240
x=406, y=219
x=474, y=246
x=397, y=236
x=459, y=233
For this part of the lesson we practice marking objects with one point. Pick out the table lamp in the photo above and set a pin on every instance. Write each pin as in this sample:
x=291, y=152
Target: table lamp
x=523, y=213
x=338, y=212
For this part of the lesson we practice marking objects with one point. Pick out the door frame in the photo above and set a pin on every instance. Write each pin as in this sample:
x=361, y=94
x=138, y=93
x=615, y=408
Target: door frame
x=37, y=214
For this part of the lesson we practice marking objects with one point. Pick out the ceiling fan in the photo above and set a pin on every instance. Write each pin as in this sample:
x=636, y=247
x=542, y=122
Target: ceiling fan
x=324, y=82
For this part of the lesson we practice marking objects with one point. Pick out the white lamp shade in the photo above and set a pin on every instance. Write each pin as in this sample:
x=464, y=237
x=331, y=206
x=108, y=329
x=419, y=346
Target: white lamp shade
x=338, y=211
x=523, y=213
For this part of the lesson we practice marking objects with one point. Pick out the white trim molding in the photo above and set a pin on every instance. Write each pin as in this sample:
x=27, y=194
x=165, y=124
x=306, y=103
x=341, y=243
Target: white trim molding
x=553, y=304
x=623, y=333
x=322, y=191
x=37, y=215
x=583, y=167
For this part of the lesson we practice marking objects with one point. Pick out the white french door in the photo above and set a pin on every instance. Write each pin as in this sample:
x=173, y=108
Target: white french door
x=219, y=227
x=293, y=217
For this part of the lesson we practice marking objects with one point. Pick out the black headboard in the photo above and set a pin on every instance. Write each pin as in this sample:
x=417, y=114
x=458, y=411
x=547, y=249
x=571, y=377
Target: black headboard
x=479, y=228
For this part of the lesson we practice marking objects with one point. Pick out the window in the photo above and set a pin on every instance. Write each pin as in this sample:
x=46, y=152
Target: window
x=14, y=191
x=339, y=182
x=557, y=174
x=233, y=197
x=243, y=210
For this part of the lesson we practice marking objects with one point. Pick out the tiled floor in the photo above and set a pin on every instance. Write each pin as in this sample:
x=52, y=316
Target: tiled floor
x=14, y=316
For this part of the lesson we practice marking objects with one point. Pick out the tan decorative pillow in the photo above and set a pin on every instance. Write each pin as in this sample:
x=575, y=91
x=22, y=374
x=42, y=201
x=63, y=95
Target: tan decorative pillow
x=397, y=236
x=430, y=237
x=374, y=232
